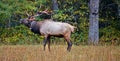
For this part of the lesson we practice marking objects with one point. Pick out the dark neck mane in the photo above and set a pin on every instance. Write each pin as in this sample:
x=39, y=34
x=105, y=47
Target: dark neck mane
x=34, y=26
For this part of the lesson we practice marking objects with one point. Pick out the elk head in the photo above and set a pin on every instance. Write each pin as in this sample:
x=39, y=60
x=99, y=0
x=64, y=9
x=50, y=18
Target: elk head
x=28, y=20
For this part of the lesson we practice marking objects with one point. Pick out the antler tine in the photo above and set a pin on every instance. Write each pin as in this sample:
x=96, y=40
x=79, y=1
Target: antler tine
x=40, y=6
x=46, y=11
x=35, y=15
x=27, y=14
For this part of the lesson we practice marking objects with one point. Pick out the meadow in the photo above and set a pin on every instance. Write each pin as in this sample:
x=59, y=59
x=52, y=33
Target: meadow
x=59, y=53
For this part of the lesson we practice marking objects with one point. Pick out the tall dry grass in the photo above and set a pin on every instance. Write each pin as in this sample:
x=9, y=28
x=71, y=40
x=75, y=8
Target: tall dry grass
x=59, y=53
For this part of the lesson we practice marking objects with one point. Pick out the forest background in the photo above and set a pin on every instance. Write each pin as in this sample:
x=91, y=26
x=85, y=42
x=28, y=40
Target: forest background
x=75, y=12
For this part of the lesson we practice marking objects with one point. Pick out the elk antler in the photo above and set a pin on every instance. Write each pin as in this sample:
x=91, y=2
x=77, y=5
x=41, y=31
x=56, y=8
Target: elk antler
x=46, y=12
x=27, y=14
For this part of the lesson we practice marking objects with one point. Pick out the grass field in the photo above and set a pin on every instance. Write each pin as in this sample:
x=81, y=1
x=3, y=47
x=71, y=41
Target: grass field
x=59, y=53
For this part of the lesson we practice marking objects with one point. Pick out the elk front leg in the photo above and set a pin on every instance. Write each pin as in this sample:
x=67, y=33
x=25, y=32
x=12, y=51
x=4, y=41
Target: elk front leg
x=45, y=41
x=49, y=43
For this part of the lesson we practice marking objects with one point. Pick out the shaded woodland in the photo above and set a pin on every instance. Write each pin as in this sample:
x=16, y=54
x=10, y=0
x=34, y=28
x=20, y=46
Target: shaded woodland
x=74, y=12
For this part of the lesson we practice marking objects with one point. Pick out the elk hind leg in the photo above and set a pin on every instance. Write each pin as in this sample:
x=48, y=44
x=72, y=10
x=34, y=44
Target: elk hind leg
x=67, y=38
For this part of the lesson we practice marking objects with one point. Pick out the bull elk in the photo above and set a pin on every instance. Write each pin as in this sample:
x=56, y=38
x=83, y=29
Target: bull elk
x=48, y=28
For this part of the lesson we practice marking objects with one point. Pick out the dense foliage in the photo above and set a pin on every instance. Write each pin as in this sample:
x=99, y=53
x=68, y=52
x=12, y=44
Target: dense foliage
x=75, y=12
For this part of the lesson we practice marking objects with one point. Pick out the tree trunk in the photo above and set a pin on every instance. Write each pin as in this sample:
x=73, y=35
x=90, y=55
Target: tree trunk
x=55, y=5
x=9, y=23
x=93, y=37
x=119, y=11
